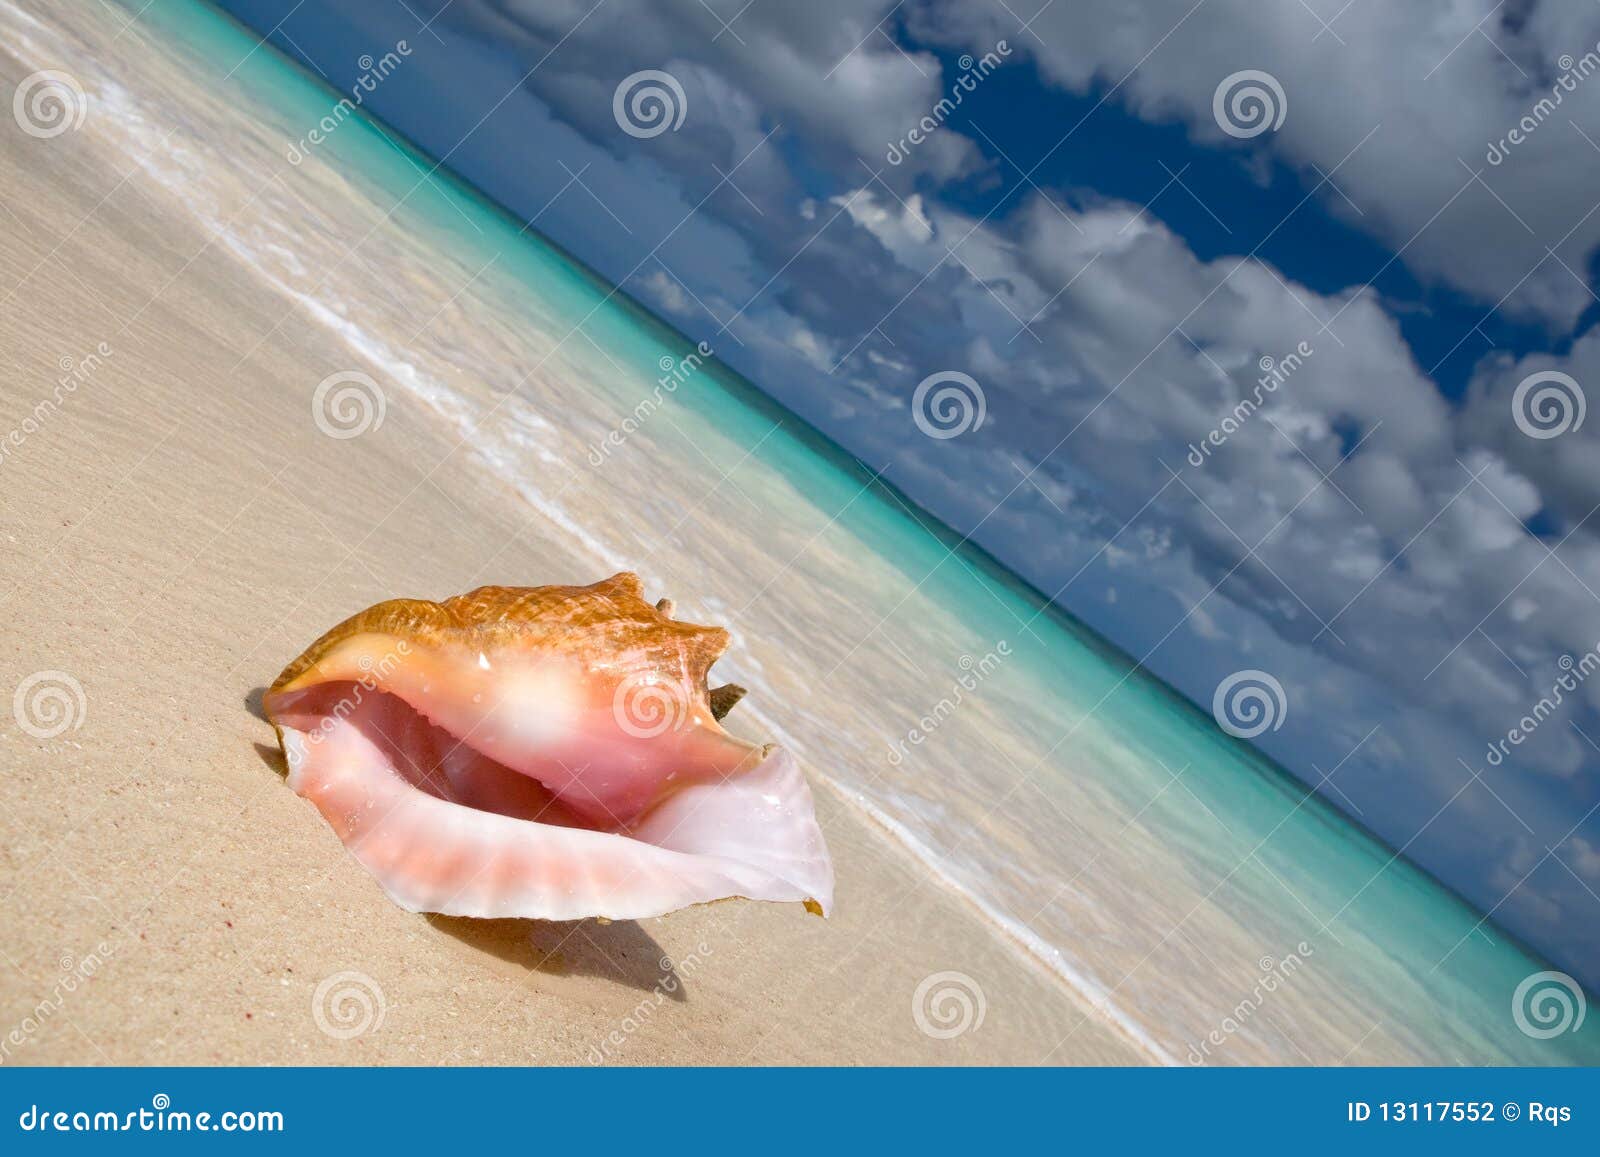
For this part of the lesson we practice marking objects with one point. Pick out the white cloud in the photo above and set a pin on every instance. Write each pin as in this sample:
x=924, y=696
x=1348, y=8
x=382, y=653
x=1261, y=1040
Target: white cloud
x=1396, y=586
x=1584, y=858
x=667, y=293
x=804, y=341
x=821, y=69
x=1403, y=100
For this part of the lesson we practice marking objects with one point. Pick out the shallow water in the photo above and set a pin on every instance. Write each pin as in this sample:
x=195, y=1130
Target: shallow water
x=1189, y=888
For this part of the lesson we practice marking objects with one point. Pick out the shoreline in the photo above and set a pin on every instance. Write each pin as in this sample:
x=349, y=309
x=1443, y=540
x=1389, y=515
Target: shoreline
x=746, y=390
x=180, y=528
x=1022, y=941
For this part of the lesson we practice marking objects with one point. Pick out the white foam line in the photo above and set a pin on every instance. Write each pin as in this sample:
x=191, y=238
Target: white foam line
x=558, y=515
x=444, y=401
x=1027, y=943
x=1023, y=940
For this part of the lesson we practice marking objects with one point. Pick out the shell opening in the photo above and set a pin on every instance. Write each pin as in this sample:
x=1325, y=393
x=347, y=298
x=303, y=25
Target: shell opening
x=447, y=828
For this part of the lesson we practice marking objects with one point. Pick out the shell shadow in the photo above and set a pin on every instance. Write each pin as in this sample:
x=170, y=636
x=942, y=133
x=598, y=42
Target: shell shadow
x=271, y=754
x=273, y=758
x=620, y=951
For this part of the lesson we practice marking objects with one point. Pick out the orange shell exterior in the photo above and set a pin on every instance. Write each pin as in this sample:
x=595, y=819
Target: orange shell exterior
x=592, y=623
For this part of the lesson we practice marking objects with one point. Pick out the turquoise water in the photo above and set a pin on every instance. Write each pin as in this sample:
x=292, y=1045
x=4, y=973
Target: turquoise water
x=1186, y=886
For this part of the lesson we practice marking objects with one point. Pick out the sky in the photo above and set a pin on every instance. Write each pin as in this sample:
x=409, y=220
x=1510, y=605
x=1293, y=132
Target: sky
x=1373, y=224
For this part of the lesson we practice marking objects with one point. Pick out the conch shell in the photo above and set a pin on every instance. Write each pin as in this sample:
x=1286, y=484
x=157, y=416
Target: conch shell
x=549, y=752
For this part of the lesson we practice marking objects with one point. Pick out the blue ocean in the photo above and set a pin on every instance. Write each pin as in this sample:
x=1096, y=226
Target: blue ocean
x=1190, y=891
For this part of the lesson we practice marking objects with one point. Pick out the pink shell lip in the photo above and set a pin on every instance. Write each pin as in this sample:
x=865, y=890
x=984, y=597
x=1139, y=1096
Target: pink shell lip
x=527, y=781
x=444, y=829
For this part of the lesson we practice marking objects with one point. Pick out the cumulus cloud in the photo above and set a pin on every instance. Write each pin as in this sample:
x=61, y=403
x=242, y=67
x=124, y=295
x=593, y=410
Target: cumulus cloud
x=1402, y=103
x=822, y=69
x=1215, y=463
x=667, y=293
x=1350, y=529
